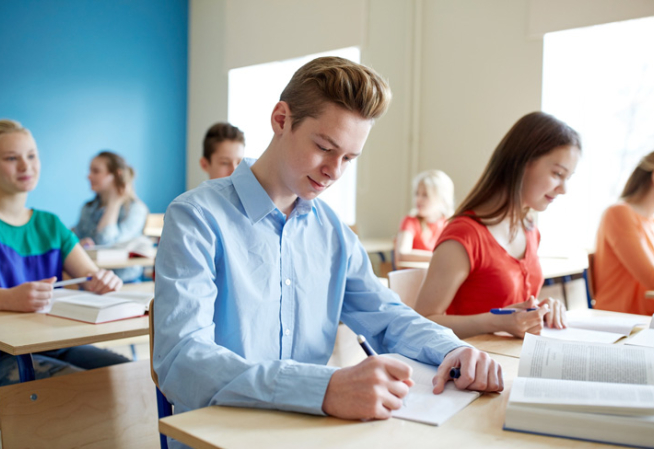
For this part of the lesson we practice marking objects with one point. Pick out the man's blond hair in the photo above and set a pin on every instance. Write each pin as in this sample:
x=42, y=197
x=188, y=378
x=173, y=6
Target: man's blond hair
x=331, y=79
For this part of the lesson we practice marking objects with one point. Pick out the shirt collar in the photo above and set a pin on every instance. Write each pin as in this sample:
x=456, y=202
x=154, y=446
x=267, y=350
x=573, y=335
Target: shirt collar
x=255, y=199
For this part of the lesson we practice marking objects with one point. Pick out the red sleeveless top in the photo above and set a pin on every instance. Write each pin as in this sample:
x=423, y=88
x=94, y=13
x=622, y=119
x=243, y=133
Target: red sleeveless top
x=496, y=279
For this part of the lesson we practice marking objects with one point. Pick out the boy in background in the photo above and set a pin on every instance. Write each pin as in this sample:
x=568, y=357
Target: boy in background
x=223, y=150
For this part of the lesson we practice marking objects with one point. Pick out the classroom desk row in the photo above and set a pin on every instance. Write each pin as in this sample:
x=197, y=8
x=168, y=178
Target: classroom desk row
x=20, y=334
x=478, y=425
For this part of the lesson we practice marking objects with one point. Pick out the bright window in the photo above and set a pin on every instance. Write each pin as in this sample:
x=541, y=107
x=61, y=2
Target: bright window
x=599, y=80
x=254, y=91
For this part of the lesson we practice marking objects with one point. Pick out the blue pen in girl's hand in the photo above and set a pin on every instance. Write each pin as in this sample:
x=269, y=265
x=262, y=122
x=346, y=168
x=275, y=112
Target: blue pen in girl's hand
x=509, y=311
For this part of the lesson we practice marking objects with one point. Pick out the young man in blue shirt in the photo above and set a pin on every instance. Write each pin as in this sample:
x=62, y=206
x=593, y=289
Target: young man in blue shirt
x=254, y=274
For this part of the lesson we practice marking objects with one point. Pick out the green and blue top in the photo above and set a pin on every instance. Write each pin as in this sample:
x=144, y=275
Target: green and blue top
x=35, y=250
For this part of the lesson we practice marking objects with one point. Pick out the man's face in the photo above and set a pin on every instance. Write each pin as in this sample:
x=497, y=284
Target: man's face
x=226, y=156
x=319, y=150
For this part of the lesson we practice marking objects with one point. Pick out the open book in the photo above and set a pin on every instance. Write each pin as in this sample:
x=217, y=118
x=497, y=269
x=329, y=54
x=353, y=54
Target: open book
x=590, y=391
x=422, y=405
x=92, y=308
x=141, y=246
x=594, y=329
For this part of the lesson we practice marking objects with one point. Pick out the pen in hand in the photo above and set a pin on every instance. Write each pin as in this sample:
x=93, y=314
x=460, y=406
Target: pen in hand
x=455, y=373
x=71, y=281
x=509, y=311
x=366, y=346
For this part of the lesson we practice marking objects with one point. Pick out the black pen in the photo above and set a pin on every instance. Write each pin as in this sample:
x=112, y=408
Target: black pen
x=455, y=373
x=366, y=346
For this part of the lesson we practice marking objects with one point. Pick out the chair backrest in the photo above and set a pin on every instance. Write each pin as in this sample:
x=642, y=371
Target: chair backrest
x=155, y=378
x=590, y=280
x=153, y=225
x=407, y=283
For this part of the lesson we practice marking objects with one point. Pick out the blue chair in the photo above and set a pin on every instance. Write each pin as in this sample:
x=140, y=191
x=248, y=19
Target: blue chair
x=164, y=407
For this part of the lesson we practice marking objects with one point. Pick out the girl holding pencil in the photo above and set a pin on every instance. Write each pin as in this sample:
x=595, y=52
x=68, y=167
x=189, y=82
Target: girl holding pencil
x=486, y=256
x=35, y=249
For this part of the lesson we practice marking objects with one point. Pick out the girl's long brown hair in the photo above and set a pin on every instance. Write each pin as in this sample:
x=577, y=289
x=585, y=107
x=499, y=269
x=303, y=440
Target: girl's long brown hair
x=640, y=180
x=533, y=136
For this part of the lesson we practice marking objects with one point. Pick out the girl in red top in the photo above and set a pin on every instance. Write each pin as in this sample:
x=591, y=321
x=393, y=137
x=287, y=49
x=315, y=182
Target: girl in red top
x=433, y=205
x=486, y=257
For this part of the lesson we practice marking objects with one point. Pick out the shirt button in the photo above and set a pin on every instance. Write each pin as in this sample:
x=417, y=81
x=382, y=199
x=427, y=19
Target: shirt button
x=287, y=282
x=287, y=332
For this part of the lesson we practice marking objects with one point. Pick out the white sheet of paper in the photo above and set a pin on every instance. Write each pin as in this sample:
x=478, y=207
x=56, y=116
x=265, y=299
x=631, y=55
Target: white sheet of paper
x=422, y=405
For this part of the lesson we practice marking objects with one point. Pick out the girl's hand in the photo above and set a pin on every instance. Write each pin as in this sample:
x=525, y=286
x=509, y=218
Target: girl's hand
x=556, y=317
x=104, y=281
x=28, y=297
x=87, y=242
x=520, y=323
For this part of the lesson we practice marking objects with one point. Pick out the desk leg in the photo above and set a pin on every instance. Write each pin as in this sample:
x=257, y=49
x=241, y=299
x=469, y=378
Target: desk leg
x=25, y=367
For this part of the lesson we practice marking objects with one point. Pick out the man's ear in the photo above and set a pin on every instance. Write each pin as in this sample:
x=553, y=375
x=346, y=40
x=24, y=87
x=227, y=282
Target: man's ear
x=204, y=163
x=281, y=117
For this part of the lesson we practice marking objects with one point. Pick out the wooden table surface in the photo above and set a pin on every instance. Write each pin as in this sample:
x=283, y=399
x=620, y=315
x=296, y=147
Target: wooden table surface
x=478, y=425
x=24, y=333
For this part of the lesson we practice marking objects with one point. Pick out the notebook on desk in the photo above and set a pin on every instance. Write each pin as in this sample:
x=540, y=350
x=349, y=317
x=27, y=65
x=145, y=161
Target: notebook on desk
x=422, y=405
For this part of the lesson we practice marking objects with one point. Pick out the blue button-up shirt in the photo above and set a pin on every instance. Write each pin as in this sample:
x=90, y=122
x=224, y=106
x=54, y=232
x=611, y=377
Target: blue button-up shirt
x=248, y=301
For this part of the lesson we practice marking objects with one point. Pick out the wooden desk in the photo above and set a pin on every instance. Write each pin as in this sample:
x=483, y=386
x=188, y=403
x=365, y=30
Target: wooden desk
x=112, y=407
x=478, y=425
x=131, y=262
x=554, y=267
x=22, y=334
x=377, y=245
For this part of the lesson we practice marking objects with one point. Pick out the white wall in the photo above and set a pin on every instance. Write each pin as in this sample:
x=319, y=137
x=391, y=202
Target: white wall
x=207, y=80
x=462, y=72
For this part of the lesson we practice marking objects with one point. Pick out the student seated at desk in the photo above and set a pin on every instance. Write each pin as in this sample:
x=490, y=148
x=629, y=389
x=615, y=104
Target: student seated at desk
x=35, y=247
x=115, y=214
x=254, y=274
x=433, y=201
x=486, y=256
x=222, y=151
x=624, y=258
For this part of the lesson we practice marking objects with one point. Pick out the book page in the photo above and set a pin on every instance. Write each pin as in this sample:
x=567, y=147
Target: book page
x=618, y=325
x=586, y=335
x=585, y=396
x=94, y=301
x=422, y=405
x=142, y=298
x=642, y=338
x=595, y=362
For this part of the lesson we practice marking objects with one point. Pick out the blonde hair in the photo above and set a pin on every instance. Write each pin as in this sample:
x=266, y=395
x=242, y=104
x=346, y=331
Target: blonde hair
x=440, y=187
x=331, y=79
x=640, y=180
x=11, y=126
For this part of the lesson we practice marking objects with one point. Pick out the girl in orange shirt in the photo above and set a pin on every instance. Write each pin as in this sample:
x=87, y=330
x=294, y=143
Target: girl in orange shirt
x=433, y=202
x=624, y=258
x=486, y=257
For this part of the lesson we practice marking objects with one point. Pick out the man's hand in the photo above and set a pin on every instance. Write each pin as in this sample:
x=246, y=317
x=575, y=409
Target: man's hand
x=369, y=390
x=478, y=371
x=27, y=297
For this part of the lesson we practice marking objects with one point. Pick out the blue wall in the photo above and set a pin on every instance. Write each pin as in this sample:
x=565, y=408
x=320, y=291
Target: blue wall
x=87, y=75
